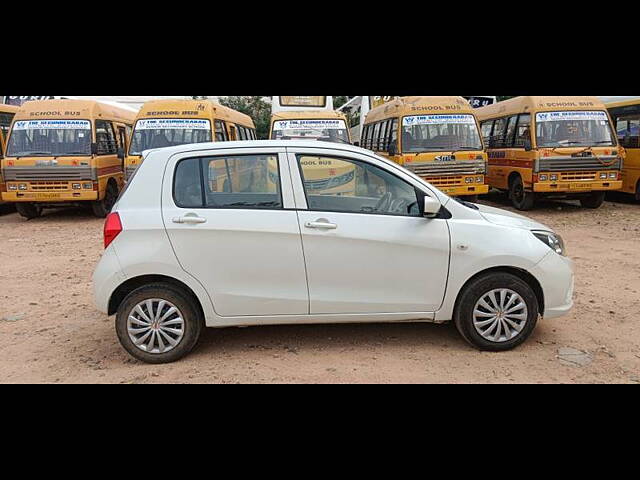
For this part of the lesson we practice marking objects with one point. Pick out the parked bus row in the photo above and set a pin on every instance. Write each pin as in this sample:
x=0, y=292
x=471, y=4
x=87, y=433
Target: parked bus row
x=71, y=151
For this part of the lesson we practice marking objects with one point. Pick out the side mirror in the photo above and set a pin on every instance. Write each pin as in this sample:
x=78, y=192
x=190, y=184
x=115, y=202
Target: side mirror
x=94, y=148
x=393, y=148
x=431, y=206
x=121, y=153
x=527, y=145
x=356, y=144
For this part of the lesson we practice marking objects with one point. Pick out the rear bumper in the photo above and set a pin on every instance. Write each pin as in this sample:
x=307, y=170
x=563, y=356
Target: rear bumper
x=577, y=187
x=107, y=276
x=556, y=276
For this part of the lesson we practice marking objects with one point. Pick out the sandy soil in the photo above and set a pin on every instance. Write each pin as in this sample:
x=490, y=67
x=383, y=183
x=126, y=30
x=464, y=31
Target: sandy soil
x=50, y=331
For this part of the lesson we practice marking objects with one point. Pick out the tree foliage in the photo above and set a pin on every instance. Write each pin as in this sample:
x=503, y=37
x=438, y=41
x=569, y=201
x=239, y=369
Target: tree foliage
x=256, y=108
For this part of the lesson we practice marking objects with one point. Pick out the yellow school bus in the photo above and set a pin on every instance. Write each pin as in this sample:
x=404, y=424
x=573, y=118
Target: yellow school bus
x=62, y=152
x=329, y=176
x=437, y=138
x=7, y=112
x=165, y=123
x=563, y=147
x=626, y=120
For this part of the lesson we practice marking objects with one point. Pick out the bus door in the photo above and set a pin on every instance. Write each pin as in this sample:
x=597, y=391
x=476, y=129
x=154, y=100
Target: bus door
x=122, y=135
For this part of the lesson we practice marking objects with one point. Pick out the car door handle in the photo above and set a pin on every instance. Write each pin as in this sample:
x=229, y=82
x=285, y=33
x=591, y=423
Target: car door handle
x=321, y=224
x=189, y=219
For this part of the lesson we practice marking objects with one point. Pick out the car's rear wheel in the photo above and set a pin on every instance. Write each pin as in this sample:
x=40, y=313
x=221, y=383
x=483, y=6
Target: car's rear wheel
x=29, y=210
x=593, y=200
x=158, y=323
x=496, y=312
x=520, y=198
x=101, y=208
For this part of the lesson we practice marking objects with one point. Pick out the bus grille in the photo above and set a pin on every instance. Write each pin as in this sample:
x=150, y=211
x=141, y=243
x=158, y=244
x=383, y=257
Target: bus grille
x=556, y=164
x=445, y=181
x=47, y=173
x=461, y=167
x=568, y=176
x=49, y=185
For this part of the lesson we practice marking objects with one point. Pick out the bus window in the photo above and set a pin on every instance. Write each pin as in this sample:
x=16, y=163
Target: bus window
x=486, y=131
x=511, y=131
x=394, y=132
x=50, y=137
x=232, y=132
x=523, y=132
x=497, y=135
x=105, y=138
x=221, y=132
x=628, y=131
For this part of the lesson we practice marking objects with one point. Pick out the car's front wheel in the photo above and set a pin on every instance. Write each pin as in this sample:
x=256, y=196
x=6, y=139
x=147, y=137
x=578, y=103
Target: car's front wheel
x=158, y=323
x=496, y=311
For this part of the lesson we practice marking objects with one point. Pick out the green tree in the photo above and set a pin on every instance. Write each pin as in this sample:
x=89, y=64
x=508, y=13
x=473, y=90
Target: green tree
x=256, y=108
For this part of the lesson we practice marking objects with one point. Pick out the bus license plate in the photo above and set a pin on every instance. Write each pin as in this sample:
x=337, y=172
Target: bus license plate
x=47, y=196
x=579, y=186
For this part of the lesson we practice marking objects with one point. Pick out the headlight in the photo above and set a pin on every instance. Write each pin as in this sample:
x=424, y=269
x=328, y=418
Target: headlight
x=542, y=178
x=22, y=186
x=553, y=240
x=468, y=180
x=13, y=187
x=603, y=175
x=76, y=186
x=87, y=186
x=613, y=175
x=479, y=180
x=553, y=178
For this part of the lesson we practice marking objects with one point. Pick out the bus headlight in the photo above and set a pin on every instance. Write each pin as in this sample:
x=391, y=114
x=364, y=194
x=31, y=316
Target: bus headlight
x=543, y=178
x=613, y=175
x=468, y=180
x=479, y=180
x=13, y=186
x=76, y=186
x=603, y=176
x=553, y=178
x=552, y=240
x=87, y=186
x=22, y=186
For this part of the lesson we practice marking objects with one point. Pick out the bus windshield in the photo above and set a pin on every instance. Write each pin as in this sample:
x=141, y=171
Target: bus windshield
x=161, y=132
x=424, y=133
x=49, y=138
x=333, y=130
x=569, y=129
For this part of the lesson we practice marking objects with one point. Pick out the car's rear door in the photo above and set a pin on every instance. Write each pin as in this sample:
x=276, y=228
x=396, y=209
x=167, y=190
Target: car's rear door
x=230, y=219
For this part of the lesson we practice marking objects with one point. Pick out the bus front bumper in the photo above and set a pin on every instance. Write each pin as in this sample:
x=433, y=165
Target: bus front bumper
x=461, y=190
x=577, y=187
x=39, y=193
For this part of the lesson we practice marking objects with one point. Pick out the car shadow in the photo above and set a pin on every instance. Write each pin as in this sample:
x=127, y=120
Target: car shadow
x=501, y=200
x=329, y=337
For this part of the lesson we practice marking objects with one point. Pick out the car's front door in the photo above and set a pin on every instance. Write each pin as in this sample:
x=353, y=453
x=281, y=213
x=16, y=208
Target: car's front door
x=227, y=222
x=367, y=247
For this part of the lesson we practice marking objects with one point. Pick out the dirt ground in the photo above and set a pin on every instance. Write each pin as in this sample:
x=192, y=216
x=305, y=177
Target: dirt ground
x=50, y=331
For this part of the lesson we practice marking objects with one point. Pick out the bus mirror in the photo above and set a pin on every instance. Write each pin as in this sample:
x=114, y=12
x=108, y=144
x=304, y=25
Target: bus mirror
x=393, y=148
x=121, y=153
x=527, y=145
x=94, y=148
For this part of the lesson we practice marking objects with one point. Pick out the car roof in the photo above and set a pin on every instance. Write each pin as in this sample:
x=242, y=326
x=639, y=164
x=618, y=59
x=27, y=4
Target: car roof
x=196, y=147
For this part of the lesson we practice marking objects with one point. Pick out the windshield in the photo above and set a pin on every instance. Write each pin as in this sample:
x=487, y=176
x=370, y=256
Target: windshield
x=53, y=138
x=425, y=133
x=569, y=129
x=332, y=130
x=168, y=132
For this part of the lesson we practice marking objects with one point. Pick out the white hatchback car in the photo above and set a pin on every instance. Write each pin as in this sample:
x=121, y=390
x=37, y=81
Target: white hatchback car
x=294, y=232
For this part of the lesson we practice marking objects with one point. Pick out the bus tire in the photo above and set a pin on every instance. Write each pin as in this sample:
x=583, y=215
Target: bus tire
x=593, y=200
x=101, y=208
x=520, y=198
x=29, y=210
x=638, y=191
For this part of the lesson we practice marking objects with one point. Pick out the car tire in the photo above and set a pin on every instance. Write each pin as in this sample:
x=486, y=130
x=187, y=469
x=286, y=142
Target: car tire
x=102, y=208
x=477, y=331
x=29, y=210
x=520, y=198
x=157, y=346
x=594, y=200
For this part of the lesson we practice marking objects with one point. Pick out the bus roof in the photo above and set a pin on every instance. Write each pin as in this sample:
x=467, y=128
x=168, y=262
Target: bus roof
x=308, y=114
x=76, y=109
x=4, y=108
x=530, y=104
x=628, y=101
x=187, y=108
x=415, y=106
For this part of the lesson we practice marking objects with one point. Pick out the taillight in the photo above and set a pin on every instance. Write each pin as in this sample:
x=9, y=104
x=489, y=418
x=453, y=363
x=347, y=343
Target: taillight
x=112, y=227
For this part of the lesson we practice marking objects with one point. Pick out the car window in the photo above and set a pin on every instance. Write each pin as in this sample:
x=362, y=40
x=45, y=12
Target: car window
x=238, y=181
x=344, y=185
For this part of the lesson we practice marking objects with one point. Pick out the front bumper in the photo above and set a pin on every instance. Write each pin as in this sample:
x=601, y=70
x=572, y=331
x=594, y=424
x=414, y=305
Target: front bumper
x=556, y=276
x=464, y=190
x=577, y=186
x=50, y=196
